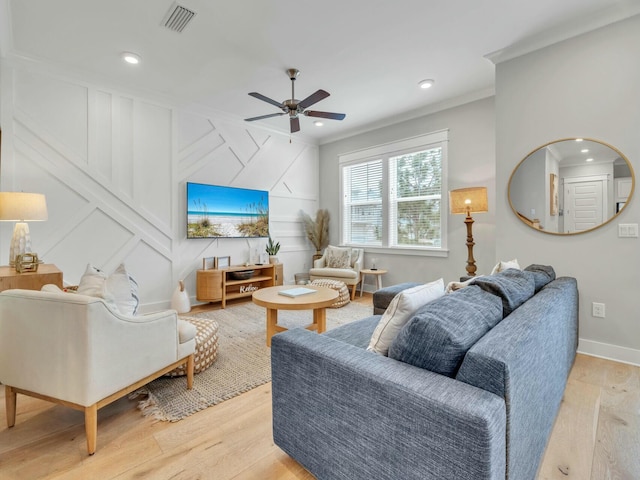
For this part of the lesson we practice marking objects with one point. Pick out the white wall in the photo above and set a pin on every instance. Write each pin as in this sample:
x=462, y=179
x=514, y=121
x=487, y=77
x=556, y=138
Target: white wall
x=113, y=167
x=591, y=83
x=471, y=163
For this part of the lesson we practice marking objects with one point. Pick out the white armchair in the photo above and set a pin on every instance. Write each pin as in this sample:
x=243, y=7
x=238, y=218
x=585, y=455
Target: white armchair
x=74, y=350
x=347, y=273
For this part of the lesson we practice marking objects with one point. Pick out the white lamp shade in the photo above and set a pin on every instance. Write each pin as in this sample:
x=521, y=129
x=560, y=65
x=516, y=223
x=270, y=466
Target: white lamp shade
x=21, y=207
x=472, y=200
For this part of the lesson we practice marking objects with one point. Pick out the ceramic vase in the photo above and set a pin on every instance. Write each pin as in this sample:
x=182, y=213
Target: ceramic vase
x=180, y=299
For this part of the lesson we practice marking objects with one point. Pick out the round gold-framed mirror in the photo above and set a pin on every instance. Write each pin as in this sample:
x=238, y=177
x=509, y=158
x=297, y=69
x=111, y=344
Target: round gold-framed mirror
x=571, y=186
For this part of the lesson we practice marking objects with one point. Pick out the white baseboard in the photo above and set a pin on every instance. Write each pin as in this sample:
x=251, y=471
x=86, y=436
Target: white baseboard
x=608, y=351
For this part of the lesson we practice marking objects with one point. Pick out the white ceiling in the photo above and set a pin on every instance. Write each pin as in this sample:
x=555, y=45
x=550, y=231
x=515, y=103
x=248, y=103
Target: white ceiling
x=369, y=54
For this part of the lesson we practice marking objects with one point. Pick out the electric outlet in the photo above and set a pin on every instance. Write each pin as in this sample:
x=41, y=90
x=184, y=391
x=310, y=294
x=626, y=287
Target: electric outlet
x=597, y=309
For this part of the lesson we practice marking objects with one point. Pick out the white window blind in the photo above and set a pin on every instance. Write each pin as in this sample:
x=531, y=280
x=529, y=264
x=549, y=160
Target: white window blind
x=414, y=198
x=362, y=206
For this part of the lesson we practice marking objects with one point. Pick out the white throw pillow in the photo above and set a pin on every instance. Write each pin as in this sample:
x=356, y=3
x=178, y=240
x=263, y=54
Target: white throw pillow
x=119, y=290
x=124, y=290
x=500, y=266
x=400, y=311
x=94, y=284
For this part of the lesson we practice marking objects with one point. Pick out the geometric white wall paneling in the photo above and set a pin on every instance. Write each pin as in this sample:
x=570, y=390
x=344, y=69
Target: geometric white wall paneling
x=241, y=141
x=199, y=154
x=79, y=180
x=295, y=179
x=269, y=164
x=123, y=155
x=191, y=129
x=100, y=114
x=96, y=240
x=59, y=106
x=153, y=272
x=152, y=160
x=220, y=168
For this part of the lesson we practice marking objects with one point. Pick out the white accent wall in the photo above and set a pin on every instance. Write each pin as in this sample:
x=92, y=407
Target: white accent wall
x=586, y=86
x=113, y=166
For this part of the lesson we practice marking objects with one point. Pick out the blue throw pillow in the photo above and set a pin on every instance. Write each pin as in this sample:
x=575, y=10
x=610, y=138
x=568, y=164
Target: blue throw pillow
x=513, y=286
x=439, y=334
x=542, y=274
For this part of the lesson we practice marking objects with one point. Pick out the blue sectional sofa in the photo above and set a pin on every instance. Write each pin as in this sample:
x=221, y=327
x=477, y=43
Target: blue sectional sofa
x=346, y=413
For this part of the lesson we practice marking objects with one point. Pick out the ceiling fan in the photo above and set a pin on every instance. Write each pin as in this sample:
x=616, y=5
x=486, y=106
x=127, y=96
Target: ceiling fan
x=294, y=107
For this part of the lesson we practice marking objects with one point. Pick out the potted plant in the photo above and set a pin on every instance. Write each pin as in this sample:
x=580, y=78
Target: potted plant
x=317, y=231
x=272, y=250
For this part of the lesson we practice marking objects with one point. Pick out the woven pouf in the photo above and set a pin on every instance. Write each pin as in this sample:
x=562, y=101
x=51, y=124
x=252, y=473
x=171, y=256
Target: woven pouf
x=343, y=291
x=206, y=346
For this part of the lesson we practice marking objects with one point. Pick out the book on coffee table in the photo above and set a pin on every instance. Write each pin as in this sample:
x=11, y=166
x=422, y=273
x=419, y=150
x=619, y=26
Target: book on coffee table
x=296, y=292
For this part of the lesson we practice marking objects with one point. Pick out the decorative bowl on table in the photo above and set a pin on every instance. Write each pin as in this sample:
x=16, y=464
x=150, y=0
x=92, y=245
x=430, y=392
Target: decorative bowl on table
x=241, y=275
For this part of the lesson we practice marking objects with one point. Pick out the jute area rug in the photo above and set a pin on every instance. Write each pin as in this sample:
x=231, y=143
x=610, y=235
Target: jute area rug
x=243, y=363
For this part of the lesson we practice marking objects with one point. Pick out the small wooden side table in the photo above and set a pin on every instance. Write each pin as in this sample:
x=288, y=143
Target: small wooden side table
x=47, y=273
x=376, y=273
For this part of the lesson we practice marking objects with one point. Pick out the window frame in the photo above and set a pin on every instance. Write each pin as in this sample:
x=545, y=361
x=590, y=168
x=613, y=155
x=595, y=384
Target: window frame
x=384, y=152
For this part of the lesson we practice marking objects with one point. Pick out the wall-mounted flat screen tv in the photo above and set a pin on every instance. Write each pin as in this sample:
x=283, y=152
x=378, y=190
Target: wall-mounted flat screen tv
x=215, y=211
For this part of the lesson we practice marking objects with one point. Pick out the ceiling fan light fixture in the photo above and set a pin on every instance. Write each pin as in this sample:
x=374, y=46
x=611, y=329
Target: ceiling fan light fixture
x=427, y=83
x=132, y=58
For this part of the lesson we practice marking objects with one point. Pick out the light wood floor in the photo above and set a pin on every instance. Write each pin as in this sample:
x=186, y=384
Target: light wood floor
x=596, y=436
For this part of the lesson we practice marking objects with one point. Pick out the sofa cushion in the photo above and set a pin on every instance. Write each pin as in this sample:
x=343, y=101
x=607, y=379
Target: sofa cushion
x=338, y=257
x=357, y=333
x=542, y=274
x=513, y=286
x=439, y=334
x=400, y=310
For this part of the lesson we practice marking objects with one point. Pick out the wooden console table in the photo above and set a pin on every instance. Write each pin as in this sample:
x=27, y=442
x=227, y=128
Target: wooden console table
x=47, y=273
x=217, y=285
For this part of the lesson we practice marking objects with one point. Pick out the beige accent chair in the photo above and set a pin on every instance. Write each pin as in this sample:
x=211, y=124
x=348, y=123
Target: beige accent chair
x=350, y=276
x=75, y=350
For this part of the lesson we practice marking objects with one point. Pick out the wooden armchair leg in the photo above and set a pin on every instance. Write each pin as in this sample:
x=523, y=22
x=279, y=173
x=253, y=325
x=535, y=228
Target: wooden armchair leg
x=10, y=405
x=190, y=367
x=353, y=291
x=91, y=427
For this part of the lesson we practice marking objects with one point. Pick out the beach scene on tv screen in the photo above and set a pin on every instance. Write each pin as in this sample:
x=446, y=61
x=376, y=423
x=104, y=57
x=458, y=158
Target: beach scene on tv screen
x=218, y=211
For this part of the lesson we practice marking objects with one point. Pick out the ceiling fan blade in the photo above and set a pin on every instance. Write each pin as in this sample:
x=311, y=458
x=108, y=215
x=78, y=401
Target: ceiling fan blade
x=295, y=124
x=313, y=98
x=259, y=96
x=263, y=116
x=330, y=115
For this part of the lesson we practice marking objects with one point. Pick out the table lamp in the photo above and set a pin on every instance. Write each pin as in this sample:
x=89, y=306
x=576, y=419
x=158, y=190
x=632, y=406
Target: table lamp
x=467, y=201
x=21, y=207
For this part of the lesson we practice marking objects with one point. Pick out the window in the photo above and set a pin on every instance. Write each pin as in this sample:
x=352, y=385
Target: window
x=392, y=195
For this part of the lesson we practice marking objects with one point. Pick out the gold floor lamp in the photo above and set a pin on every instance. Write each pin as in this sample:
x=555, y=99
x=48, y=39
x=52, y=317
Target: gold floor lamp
x=467, y=201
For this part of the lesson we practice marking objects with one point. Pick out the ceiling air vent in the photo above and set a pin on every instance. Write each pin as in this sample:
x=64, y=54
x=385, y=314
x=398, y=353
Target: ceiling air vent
x=177, y=18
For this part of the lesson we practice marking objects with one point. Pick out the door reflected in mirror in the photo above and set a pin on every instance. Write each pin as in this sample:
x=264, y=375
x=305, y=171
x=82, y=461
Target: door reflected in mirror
x=571, y=186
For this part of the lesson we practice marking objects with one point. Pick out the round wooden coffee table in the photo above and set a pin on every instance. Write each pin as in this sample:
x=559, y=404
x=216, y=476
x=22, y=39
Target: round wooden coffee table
x=273, y=301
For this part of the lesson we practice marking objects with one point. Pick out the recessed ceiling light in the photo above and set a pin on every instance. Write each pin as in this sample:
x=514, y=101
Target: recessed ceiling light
x=318, y=123
x=584, y=150
x=132, y=58
x=589, y=159
x=428, y=83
